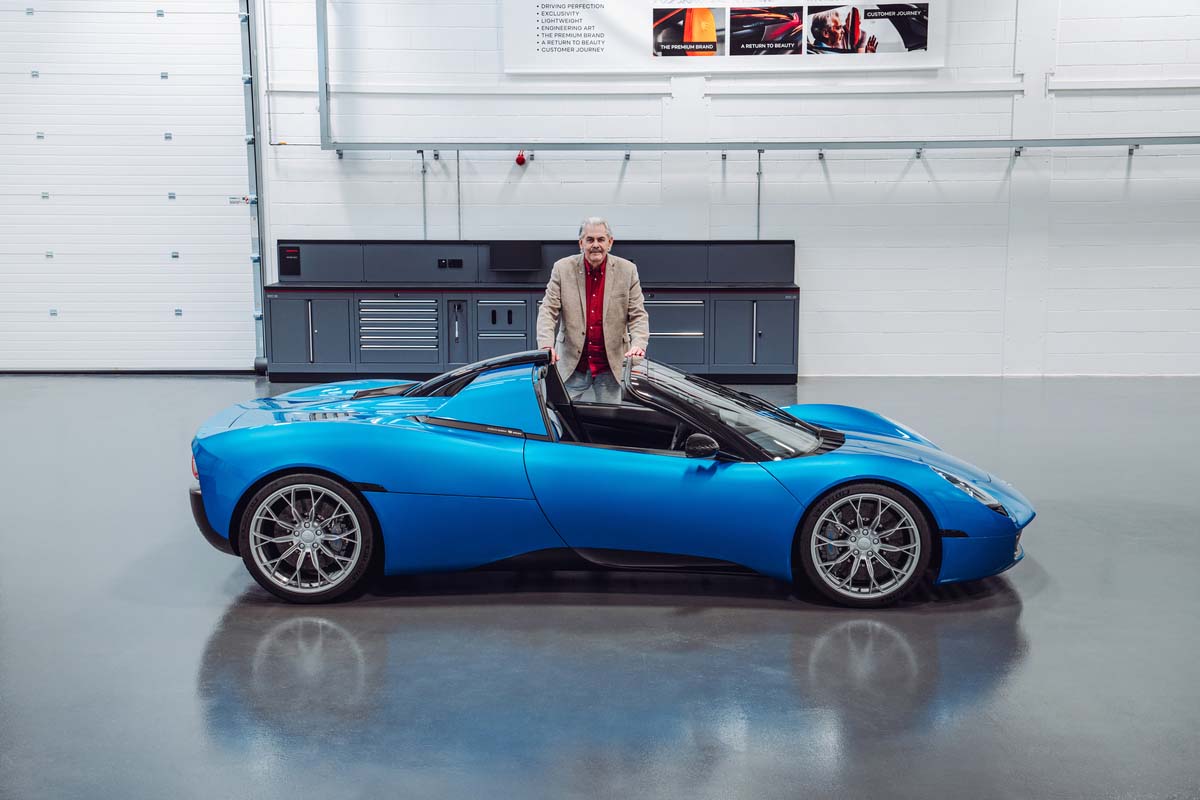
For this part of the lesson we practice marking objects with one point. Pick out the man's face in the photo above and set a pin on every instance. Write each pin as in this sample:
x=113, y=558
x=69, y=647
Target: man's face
x=834, y=33
x=595, y=244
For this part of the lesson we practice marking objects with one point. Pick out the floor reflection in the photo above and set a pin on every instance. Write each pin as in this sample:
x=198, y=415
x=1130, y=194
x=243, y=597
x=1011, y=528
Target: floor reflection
x=677, y=677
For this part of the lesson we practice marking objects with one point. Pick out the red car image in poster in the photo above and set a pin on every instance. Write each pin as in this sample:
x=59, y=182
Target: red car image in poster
x=889, y=28
x=766, y=31
x=689, y=31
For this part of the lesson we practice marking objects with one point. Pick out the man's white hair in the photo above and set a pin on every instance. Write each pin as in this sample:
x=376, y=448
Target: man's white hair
x=595, y=221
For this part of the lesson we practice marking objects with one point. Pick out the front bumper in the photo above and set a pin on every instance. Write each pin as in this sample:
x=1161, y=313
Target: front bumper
x=972, y=558
x=201, y=516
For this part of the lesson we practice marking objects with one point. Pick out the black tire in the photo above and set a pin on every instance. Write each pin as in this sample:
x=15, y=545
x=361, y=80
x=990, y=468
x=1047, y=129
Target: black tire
x=322, y=507
x=855, y=554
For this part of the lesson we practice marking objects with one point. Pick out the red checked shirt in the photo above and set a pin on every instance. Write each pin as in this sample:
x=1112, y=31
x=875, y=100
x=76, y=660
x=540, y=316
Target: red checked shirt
x=593, y=345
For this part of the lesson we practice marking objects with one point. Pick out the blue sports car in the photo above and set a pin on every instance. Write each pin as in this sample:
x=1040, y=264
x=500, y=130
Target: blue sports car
x=493, y=463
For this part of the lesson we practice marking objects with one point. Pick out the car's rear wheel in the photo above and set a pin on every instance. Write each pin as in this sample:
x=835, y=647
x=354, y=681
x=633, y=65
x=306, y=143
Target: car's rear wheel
x=306, y=538
x=864, y=545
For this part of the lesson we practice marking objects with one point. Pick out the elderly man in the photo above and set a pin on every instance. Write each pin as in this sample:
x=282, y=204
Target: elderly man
x=595, y=301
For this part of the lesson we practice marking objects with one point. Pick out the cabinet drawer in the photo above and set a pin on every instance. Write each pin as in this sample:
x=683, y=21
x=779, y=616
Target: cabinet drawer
x=398, y=331
x=502, y=315
x=676, y=316
x=500, y=344
x=678, y=349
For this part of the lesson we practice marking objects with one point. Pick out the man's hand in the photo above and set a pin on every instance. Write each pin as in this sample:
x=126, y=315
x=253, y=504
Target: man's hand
x=553, y=355
x=636, y=352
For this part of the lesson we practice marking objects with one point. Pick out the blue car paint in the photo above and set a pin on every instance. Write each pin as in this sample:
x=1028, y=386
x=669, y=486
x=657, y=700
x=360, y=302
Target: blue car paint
x=501, y=397
x=659, y=503
x=430, y=532
x=982, y=541
x=380, y=443
x=456, y=498
x=841, y=418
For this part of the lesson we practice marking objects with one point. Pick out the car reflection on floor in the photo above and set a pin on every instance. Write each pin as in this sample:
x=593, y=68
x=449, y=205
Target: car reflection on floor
x=673, y=675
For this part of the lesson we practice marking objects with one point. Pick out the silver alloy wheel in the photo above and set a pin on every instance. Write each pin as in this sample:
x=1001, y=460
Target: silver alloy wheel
x=305, y=538
x=866, y=546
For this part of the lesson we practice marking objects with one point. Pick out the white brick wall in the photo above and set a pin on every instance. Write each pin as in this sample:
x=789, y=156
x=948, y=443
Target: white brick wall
x=103, y=107
x=962, y=262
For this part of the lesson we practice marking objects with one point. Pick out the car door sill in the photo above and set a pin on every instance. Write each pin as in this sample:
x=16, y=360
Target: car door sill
x=564, y=558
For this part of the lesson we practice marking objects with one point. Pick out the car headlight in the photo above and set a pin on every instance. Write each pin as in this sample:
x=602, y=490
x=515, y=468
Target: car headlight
x=973, y=490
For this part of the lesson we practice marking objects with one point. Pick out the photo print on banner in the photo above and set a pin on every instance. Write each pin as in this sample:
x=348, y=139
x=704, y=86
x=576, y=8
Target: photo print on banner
x=689, y=31
x=647, y=36
x=766, y=30
x=890, y=28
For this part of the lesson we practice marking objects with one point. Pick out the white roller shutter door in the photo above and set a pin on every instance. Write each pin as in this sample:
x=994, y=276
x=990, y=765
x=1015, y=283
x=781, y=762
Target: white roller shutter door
x=121, y=246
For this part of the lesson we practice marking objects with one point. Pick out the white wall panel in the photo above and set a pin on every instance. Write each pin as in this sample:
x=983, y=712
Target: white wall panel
x=98, y=250
x=961, y=262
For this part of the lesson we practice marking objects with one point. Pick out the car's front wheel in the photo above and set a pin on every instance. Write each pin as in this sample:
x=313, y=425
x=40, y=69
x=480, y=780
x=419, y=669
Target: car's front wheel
x=864, y=545
x=306, y=538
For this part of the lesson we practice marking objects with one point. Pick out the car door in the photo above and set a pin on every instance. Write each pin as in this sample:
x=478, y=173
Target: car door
x=631, y=507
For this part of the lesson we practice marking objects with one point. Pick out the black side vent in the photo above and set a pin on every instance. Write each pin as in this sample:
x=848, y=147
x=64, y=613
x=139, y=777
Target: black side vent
x=830, y=440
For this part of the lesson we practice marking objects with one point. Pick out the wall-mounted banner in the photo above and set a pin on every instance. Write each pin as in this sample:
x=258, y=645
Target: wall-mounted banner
x=671, y=36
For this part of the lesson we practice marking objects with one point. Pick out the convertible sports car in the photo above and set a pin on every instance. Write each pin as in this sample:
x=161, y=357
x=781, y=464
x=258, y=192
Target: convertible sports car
x=493, y=462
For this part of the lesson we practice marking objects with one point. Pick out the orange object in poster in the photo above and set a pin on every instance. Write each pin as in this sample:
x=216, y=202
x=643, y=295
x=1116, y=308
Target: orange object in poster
x=700, y=26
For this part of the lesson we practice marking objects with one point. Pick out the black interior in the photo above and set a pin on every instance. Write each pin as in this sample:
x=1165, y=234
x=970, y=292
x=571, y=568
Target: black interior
x=624, y=425
x=629, y=426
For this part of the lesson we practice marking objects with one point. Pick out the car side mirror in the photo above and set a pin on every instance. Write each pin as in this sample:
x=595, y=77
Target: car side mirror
x=701, y=445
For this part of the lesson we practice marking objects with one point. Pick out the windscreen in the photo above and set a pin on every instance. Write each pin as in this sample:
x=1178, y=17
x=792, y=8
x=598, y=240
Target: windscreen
x=775, y=432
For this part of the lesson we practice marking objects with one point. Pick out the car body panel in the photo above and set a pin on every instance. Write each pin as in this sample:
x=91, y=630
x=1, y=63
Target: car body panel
x=429, y=532
x=503, y=397
x=396, y=453
x=850, y=418
x=653, y=502
x=960, y=520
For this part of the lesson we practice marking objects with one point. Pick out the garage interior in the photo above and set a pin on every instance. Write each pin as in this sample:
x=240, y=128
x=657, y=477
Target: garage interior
x=1030, y=306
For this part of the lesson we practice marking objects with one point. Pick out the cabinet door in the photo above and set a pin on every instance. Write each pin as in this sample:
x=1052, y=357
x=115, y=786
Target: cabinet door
x=310, y=331
x=775, y=333
x=289, y=329
x=458, y=334
x=733, y=344
x=320, y=262
x=330, y=331
x=423, y=262
x=754, y=334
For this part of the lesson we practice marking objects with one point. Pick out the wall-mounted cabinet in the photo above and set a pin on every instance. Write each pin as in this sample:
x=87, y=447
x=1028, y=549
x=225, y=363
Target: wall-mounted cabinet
x=420, y=308
x=425, y=262
x=309, y=333
x=753, y=334
x=320, y=262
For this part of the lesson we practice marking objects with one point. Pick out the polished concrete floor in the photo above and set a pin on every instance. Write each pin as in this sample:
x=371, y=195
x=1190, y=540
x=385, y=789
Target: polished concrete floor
x=138, y=662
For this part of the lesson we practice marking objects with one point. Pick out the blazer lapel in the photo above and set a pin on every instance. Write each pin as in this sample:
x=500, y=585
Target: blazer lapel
x=581, y=280
x=609, y=283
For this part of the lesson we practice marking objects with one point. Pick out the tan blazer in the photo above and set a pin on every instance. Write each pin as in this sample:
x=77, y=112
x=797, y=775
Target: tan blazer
x=626, y=324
